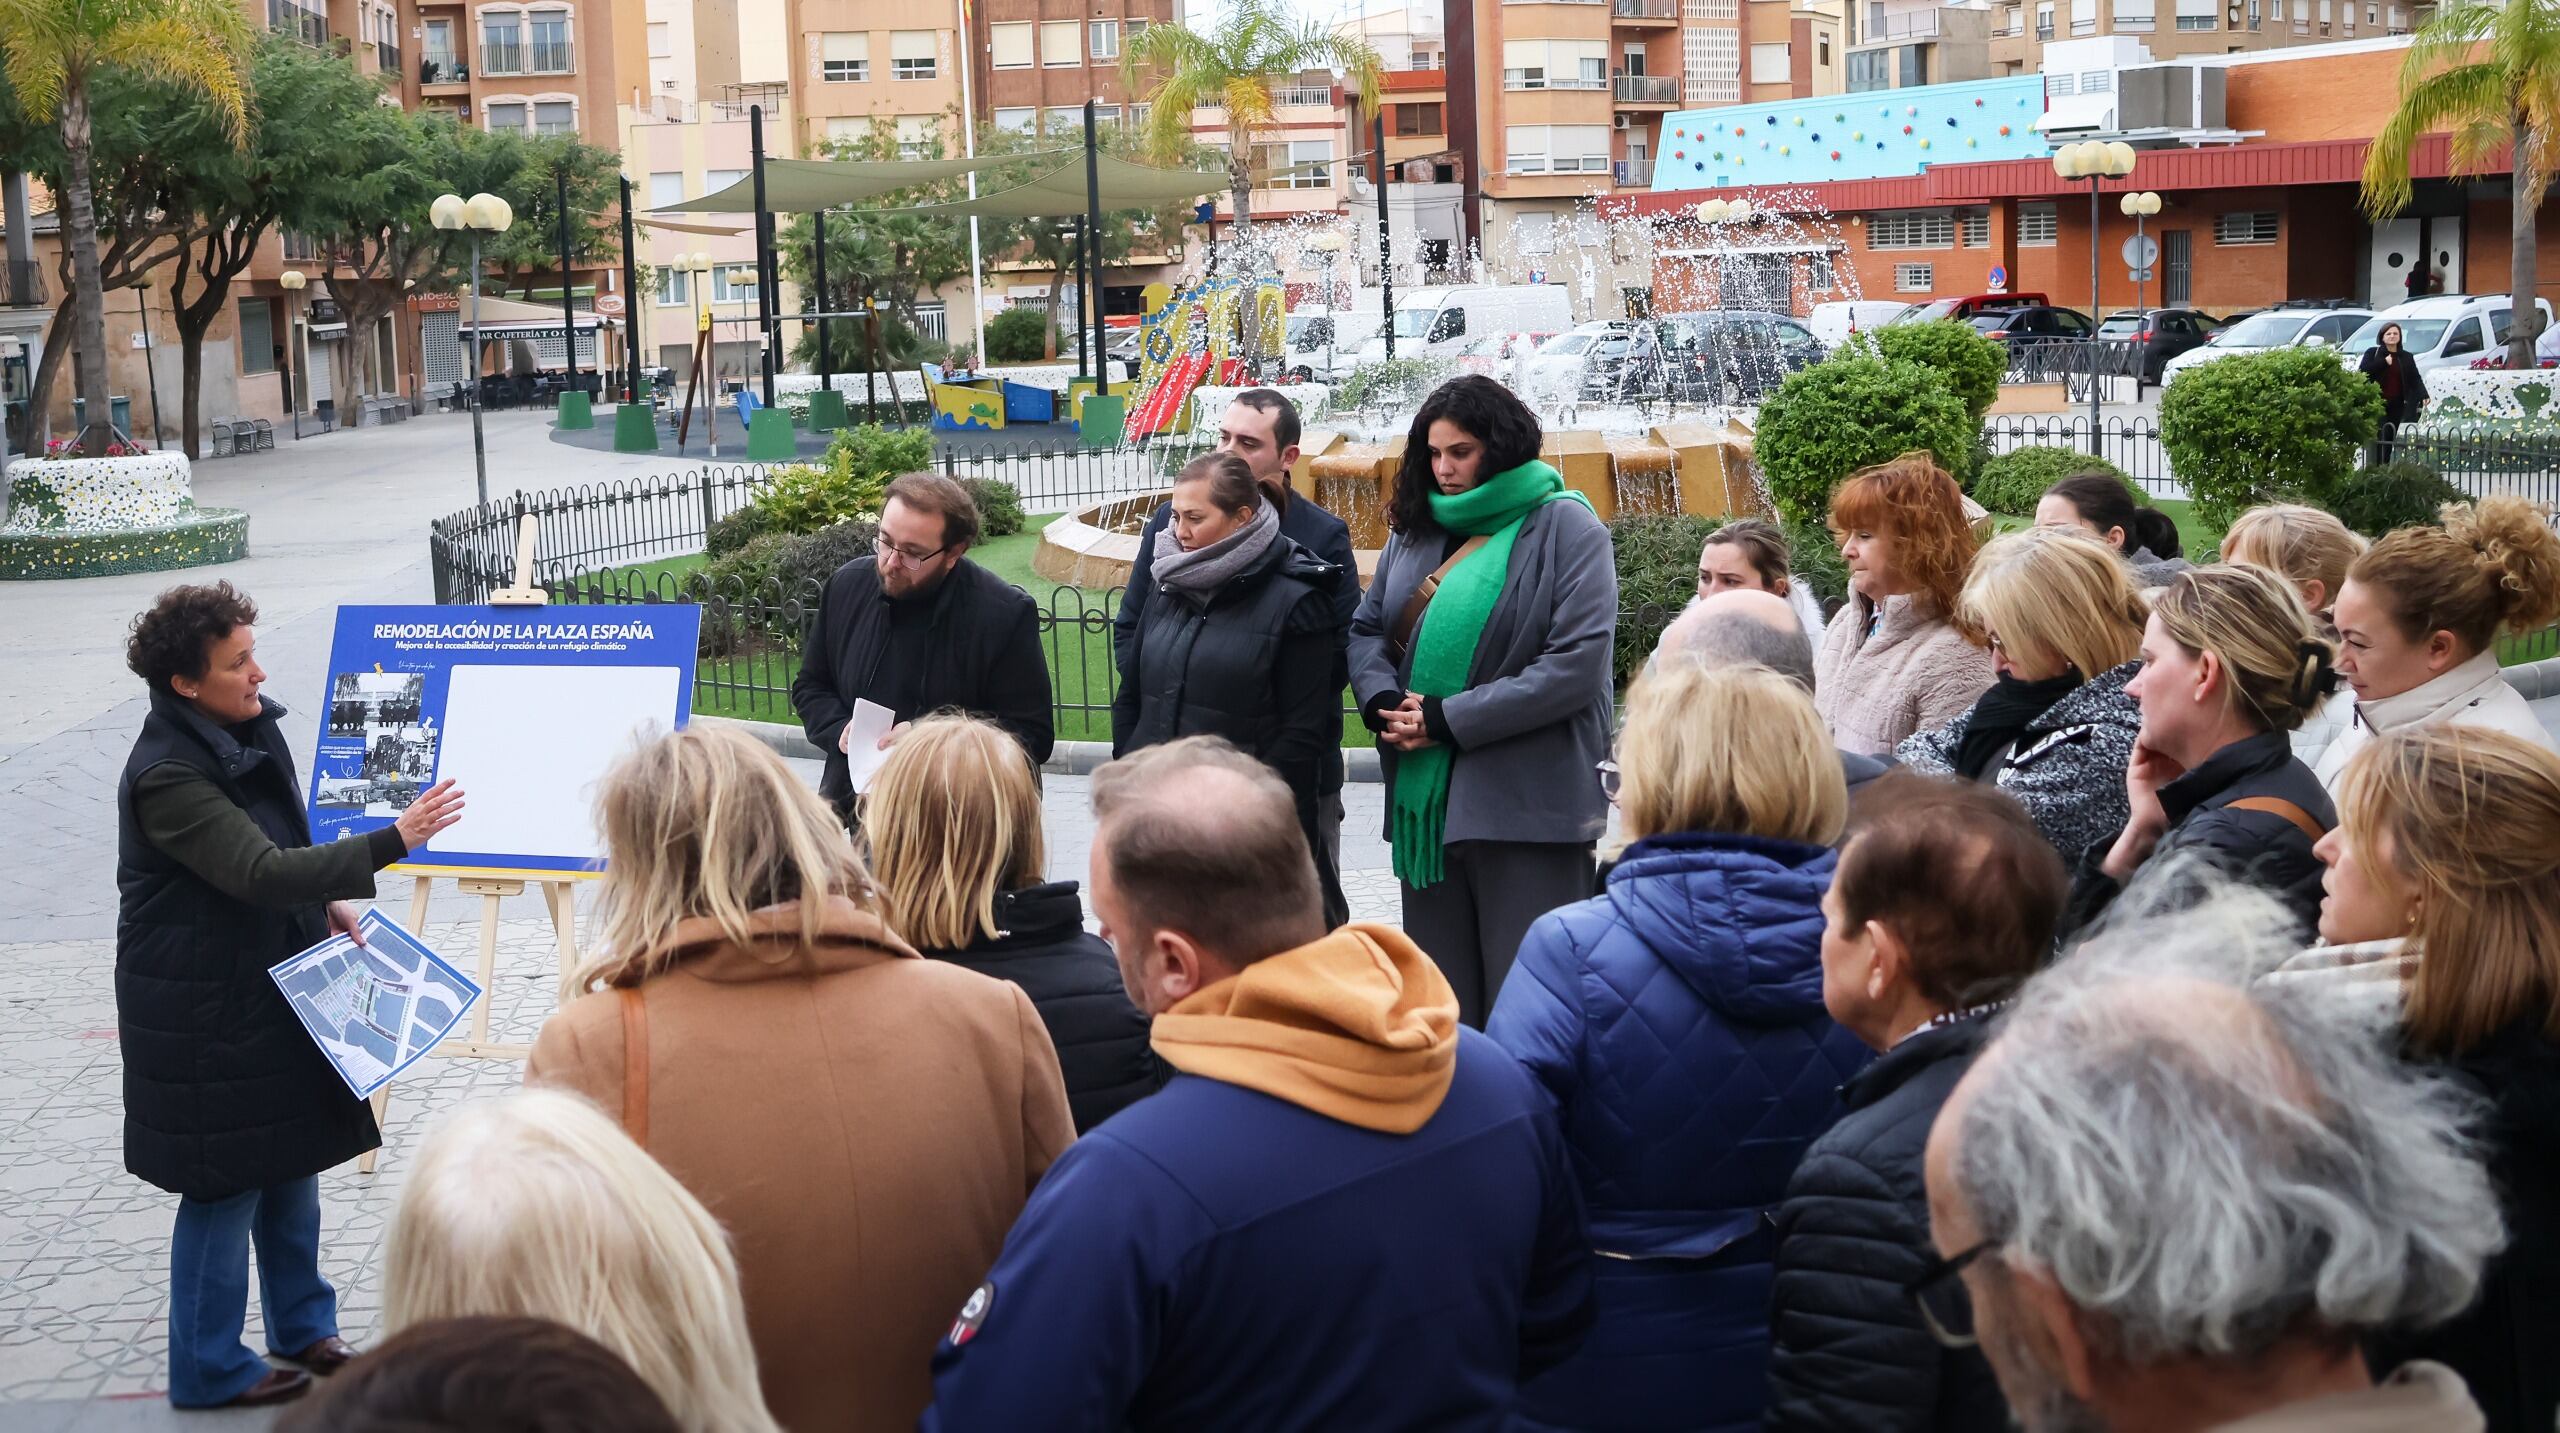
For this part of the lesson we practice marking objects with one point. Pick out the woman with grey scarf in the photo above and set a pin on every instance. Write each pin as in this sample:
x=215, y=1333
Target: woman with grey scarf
x=1236, y=641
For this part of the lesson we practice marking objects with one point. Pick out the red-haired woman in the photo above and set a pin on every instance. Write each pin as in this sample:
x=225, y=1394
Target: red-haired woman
x=1893, y=662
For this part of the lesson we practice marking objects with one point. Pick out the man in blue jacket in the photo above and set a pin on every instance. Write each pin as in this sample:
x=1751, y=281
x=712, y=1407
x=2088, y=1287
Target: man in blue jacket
x=1344, y=1211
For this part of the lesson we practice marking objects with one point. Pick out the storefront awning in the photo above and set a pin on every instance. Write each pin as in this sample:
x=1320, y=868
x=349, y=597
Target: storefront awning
x=514, y=318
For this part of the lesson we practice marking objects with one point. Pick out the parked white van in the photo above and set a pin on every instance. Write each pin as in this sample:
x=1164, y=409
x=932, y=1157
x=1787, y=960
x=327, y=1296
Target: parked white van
x=1324, y=343
x=1834, y=322
x=2441, y=330
x=1442, y=322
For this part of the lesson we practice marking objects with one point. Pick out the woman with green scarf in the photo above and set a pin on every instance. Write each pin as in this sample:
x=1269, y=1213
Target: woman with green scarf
x=1480, y=657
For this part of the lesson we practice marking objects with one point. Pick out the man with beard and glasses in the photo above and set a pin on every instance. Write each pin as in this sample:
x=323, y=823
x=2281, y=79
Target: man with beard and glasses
x=2166, y=1199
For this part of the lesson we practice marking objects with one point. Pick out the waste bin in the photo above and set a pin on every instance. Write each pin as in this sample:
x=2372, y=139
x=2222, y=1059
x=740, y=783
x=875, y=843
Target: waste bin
x=119, y=413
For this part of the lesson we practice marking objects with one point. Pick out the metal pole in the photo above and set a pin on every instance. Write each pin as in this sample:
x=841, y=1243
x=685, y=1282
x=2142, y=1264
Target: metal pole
x=2097, y=445
x=765, y=296
x=2139, y=364
x=818, y=269
x=630, y=300
x=148, y=370
x=1386, y=280
x=568, y=310
x=870, y=366
x=1093, y=218
x=479, y=444
x=1084, y=366
x=967, y=47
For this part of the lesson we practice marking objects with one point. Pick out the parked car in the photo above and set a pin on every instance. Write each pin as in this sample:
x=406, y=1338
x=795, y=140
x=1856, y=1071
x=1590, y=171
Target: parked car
x=1968, y=306
x=1493, y=354
x=1725, y=356
x=1444, y=321
x=1834, y=322
x=2161, y=334
x=1556, y=369
x=2441, y=330
x=1324, y=343
x=2286, y=327
x=2035, y=326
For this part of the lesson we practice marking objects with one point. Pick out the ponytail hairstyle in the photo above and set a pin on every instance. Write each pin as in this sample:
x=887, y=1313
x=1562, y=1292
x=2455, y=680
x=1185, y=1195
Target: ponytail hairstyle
x=2305, y=544
x=1232, y=488
x=1762, y=545
x=2277, y=663
x=2493, y=567
x=2103, y=501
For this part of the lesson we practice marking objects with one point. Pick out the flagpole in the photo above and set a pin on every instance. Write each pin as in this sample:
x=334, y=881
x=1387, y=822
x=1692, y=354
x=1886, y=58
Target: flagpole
x=969, y=149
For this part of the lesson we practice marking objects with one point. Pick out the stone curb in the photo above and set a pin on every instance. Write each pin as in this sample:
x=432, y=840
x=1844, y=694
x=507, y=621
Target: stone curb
x=1067, y=758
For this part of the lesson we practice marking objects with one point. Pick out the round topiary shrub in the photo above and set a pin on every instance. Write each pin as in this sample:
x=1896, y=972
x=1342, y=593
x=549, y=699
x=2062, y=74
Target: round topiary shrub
x=2011, y=482
x=1017, y=335
x=2393, y=495
x=1846, y=412
x=1969, y=363
x=999, y=506
x=2280, y=426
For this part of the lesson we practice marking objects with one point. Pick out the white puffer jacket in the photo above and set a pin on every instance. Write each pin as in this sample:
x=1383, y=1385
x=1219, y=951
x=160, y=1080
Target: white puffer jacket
x=2336, y=712
x=2473, y=694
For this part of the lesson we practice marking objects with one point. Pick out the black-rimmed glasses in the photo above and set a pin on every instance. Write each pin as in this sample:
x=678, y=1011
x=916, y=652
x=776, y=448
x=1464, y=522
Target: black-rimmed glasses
x=1938, y=1293
x=913, y=557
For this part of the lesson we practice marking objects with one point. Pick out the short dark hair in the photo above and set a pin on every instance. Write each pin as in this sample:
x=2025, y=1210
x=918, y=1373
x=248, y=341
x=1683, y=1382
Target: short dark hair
x=1234, y=873
x=1492, y=414
x=1230, y=480
x=484, y=1375
x=1958, y=871
x=170, y=640
x=1284, y=414
x=934, y=493
x=2103, y=500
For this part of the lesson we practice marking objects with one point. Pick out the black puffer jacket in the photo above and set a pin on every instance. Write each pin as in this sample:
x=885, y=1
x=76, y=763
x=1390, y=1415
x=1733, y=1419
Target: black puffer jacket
x=1253, y=664
x=1074, y=983
x=1847, y=1349
x=2261, y=848
x=224, y=1091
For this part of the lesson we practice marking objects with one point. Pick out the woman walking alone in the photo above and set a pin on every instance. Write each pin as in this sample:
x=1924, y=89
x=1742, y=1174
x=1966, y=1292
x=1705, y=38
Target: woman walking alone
x=1480, y=656
x=2394, y=369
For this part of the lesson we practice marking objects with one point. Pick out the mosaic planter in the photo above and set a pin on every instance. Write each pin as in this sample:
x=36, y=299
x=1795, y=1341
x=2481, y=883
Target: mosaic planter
x=90, y=517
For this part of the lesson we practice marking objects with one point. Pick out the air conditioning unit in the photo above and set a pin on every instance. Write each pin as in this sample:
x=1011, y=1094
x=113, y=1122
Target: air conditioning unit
x=1618, y=121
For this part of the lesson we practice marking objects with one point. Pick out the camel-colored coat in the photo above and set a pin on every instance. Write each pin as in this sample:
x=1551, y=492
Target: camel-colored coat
x=865, y=1124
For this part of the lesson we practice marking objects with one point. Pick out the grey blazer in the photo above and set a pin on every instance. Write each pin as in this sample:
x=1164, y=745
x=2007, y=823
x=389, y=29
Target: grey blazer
x=1533, y=722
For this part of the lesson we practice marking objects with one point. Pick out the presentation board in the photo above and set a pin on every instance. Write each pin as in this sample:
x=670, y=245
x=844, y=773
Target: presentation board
x=526, y=707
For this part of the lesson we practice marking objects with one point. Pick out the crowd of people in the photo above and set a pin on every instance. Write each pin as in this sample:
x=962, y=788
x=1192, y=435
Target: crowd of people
x=2070, y=984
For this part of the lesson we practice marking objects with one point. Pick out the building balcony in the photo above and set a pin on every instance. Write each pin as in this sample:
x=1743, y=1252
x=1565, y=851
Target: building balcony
x=1632, y=173
x=444, y=71
x=1302, y=97
x=1909, y=25
x=1648, y=91
x=298, y=23
x=1644, y=13
x=542, y=57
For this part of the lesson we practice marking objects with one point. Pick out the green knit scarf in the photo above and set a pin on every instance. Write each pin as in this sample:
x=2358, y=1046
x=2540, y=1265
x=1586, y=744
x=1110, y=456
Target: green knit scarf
x=1444, y=650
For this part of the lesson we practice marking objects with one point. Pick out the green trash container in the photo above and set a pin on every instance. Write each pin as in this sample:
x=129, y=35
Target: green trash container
x=635, y=429
x=769, y=437
x=827, y=412
x=119, y=413
x=1104, y=413
x=577, y=410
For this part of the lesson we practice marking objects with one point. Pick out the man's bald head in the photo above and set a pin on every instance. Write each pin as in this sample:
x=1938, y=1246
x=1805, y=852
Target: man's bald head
x=1741, y=627
x=1197, y=837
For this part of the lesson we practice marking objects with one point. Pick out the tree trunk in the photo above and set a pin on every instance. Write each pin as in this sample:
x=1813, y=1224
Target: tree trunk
x=89, y=298
x=1057, y=283
x=2526, y=327
x=190, y=385
x=57, y=343
x=1240, y=174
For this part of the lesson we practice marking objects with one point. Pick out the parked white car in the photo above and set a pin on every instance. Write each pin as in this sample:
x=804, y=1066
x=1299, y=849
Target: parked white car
x=1834, y=322
x=2442, y=330
x=1555, y=370
x=2274, y=328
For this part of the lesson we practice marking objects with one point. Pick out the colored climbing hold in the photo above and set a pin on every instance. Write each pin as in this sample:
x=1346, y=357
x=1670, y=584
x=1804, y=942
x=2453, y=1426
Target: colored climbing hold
x=1911, y=109
x=1879, y=144
x=1764, y=144
x=1697, y=165
x=1739, y=131
x=1719, y=154
x=1884, y=109
x=1835, y=156
x=1968, y=141
x=1786, y=149
x=2004, y=131
x=1679, y=134
x=1842, y=118
x=1773, y=119
x=1683, y=154
x=1817, y=139
x=1977, y=103
x=1906, y=129
x=1799, y=121
x=1924, y=144
x=1859, y=137
x=1951, y=121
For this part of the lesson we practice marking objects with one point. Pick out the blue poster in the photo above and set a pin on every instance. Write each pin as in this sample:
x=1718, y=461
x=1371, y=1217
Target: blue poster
x=523, y=707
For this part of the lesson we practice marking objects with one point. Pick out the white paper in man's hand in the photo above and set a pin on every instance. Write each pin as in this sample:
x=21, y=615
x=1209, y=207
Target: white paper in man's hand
x=861, y=741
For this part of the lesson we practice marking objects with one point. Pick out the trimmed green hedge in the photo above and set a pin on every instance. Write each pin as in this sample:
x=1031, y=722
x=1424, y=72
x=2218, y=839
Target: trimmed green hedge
x=1851, y=410
x=2013, y=481
x=2280, y=426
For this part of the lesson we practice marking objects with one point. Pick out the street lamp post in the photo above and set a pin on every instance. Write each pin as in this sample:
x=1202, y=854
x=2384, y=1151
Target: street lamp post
x=2094, y=160
x=292, y=282
x=481, y=214
x=148, y=372
x=2139, y=207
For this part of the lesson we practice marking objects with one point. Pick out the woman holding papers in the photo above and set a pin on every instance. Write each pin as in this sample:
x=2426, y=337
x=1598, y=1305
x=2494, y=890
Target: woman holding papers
x=228, y=1102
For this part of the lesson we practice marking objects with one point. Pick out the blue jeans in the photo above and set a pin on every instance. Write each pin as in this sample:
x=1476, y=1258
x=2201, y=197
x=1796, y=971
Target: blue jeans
x=209, y=1287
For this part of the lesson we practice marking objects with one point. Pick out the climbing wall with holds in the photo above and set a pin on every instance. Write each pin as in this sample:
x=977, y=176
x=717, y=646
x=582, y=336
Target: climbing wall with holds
x=1880, y=134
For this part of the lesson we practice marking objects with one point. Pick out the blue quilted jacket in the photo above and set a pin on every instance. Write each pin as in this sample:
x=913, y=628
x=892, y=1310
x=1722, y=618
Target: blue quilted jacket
x=1677, y=1022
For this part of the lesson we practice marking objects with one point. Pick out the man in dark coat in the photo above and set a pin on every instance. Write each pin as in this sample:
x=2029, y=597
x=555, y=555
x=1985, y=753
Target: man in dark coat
x=919, y=628
x=1261, y=427
x=228, y=1101
x=1943, y=904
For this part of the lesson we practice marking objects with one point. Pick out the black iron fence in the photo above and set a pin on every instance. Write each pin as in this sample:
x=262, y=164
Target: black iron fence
x=2479, y=461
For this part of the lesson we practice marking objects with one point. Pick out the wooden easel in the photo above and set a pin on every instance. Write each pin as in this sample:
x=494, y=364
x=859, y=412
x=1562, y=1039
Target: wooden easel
x=702, y=356
x=558, y=897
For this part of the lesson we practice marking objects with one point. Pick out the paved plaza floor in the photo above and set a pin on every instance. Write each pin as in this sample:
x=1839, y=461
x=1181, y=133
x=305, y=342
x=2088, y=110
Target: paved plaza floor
x=83, y=1245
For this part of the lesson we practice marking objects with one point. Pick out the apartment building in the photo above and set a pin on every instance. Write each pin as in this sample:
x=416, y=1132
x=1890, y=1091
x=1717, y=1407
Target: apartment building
x=1038, y=61
x=2175, y=29
x=856, y=64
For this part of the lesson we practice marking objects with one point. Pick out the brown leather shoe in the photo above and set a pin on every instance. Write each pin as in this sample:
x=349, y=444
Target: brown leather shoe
x=323, y=1358
x=281, y=1385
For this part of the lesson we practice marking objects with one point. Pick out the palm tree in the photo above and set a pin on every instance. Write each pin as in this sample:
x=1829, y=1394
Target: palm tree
x=1257, y=45
x=51, y=50
x=2489, y=73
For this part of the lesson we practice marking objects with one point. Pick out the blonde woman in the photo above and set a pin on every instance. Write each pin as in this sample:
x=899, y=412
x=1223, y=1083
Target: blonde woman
x=866, y=1122
x=2063, y=619
x=2419, y=618
x=2444, y=881
x=2231, y=663
x=2312, y=550
x=1711, y=927
x=952, y=825
x=537, y=1205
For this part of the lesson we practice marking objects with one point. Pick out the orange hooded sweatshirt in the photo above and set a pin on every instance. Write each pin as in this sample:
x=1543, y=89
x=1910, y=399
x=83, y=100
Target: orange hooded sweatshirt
x=1359, y=1026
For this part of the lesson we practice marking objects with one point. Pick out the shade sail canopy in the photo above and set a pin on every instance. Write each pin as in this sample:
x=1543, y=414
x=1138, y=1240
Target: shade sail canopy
x=1060, y=193
x=803, y=186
